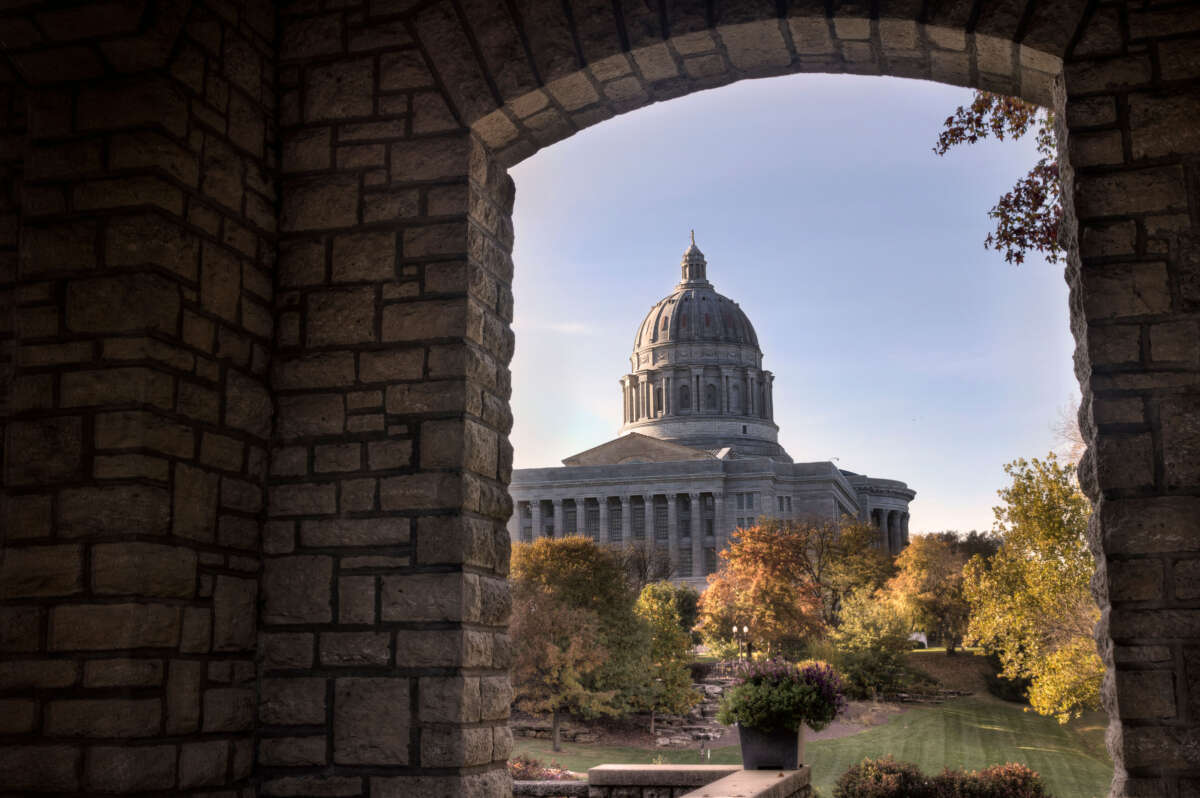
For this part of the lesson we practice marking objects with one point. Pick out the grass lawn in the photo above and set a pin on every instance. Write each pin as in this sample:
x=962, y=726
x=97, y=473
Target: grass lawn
x=967, y=733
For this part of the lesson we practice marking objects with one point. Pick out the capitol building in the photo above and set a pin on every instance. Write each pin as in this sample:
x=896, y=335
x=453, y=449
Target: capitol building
x=698, y=455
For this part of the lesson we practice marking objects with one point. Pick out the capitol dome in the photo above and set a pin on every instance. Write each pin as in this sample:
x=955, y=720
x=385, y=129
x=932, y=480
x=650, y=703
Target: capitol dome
x=696, y=372
x=695, y=312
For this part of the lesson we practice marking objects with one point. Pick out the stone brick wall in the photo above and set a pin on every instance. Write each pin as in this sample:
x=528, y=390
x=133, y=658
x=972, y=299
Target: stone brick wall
x=136, y=454
x=159, y=320
x=384, y=624
x=1131, y=87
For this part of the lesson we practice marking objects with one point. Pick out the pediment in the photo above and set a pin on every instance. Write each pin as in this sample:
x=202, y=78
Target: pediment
x=636, y=448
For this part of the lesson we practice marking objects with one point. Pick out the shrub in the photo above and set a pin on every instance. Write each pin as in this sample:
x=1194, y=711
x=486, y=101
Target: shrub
x=1015, y=690
x=778, y=696
x=887, y=778
x=701, y=670
x=999, y=781
x=883, y=778
x=525, y=768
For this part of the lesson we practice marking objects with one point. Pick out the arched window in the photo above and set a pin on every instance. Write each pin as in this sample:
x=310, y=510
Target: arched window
x=685, y=398
x=710, y=397
x=735, y=398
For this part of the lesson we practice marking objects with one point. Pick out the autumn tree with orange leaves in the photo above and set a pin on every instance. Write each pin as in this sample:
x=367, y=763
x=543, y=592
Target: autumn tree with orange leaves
x=784, y=580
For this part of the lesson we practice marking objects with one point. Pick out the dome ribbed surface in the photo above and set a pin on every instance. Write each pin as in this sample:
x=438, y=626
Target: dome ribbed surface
x=694, y=312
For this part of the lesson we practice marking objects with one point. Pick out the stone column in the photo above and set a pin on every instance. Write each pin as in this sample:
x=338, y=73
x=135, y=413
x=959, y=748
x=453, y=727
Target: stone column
x=672, y=531
x=559, y=519
x=602, y=533
x=698, y=535
x=904, y=529
x=626, y=520
x=720, y=528
x=883, y=530
x=538, y=530
x=893, y=533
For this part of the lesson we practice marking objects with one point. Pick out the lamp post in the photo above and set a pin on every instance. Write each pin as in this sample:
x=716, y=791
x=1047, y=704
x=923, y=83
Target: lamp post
x=743, y=632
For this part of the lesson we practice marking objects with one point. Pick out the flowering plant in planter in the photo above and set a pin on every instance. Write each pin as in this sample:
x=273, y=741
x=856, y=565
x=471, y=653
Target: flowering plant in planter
x=777, y=696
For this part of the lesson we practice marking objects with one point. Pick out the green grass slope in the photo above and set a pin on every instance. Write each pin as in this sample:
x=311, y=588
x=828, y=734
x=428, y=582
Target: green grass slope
x=970, y=733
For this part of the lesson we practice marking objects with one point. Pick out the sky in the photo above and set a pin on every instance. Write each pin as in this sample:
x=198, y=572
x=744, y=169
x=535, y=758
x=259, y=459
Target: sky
x=901, y=347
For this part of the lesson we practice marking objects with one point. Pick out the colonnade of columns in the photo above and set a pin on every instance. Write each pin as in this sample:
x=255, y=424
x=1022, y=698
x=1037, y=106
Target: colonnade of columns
x=683, y=523
x=893, y=528
x=738, y=392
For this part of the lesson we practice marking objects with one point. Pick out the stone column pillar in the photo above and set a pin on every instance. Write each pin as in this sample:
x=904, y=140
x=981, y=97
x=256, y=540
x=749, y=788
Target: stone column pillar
x=883, y=530
x=904, y=529
x=626, y=520
x=724, y=393
x=559, y=519
x=751, y=400
x=720, y=527
x=648, y=517
x=668, y=398
x=697, y=535
x=536, y=511
x=673, y=527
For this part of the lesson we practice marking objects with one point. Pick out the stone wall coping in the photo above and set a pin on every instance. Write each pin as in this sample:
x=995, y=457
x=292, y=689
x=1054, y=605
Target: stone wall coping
x=538, y=789
x=658, y=775
x=756, y=784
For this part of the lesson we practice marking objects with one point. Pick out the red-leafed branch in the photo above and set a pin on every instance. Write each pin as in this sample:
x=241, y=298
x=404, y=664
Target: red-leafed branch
x=1027, y=217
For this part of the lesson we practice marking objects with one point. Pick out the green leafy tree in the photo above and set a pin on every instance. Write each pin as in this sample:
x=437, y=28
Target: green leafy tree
x=670, y=685
x=1026, y=218
x=584, y=575
x=1031, y=604
x=557, y=655
x=870, y=643
x=928, y=588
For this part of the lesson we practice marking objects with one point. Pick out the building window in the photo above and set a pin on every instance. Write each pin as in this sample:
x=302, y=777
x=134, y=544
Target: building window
x=570, y=518
x=710, y=397
x=660, y=518
x=741, y=498
x=684, y=516
x=709, y=525
x=658, y=402
x=614, y=519
x=592, y=519
x=685, y=398
x=743, y=429
x=710, y=561
x=735, y=400
x=780, y=498
x=684, y=568
x=637, y=521
x=526, y=522
x=788, y=502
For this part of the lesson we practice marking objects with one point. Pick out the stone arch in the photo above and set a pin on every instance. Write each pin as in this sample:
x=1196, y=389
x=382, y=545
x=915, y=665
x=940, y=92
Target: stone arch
x=370, y=306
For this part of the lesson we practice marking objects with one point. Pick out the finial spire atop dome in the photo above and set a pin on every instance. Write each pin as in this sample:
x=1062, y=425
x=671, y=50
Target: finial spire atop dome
x=694, y=265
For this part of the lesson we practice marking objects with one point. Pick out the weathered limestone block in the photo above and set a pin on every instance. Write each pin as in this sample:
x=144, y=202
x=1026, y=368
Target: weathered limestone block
x=370, y=721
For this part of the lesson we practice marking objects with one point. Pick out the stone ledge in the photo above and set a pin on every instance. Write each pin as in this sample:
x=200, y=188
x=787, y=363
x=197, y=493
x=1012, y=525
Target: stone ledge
x=659, y=775
x=758, y=784
x=545, y=789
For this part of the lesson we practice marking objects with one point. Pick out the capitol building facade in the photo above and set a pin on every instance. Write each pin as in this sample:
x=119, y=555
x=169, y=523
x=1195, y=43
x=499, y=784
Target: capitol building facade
x=699, y=454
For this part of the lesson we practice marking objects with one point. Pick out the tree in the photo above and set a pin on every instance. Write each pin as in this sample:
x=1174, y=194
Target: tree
x=1027, y=218
x=645, y=564
x=970, y=543
x=1031, y=604
x=584, y=575
x=557, y=654
x=928, y=588
x=870, y=643
x=765, y=581
x=670, y=685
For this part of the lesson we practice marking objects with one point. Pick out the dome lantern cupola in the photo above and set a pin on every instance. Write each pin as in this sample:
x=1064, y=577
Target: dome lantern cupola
x=693, y=265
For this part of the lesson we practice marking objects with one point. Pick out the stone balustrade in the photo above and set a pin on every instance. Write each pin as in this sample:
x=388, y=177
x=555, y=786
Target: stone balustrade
x=675, y=781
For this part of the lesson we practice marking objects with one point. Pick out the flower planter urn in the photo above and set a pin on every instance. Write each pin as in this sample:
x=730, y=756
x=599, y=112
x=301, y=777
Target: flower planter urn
x=774, y=750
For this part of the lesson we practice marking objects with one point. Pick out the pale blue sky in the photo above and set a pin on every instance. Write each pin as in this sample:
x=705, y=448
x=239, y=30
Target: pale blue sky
x=899, y=344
